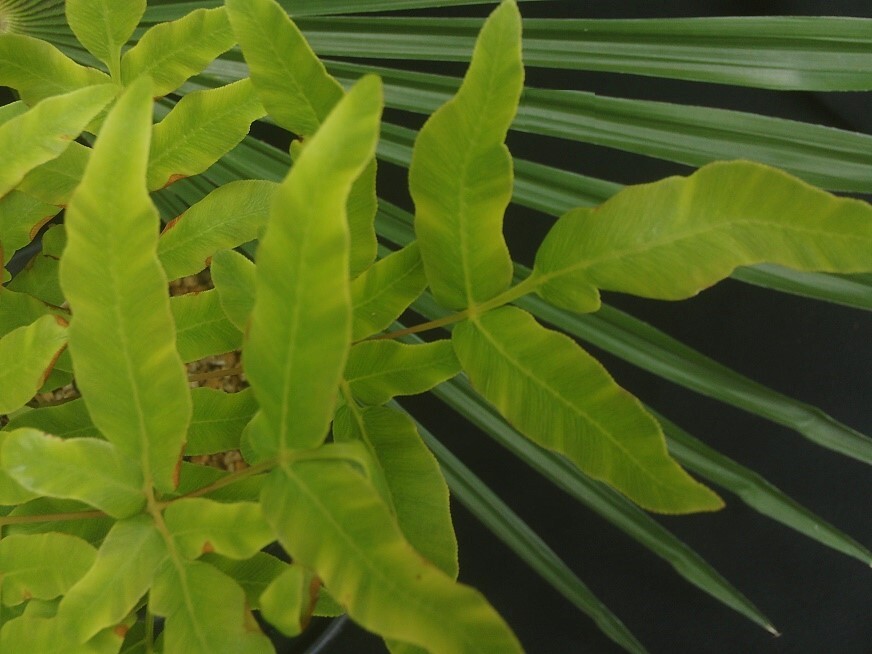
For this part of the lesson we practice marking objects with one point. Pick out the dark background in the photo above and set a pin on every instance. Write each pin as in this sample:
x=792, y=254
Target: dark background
x=816, y=352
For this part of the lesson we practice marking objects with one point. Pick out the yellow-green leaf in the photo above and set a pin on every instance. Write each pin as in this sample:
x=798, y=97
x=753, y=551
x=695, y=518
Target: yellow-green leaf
x=43, y=635
x=201, y=128
x=38, y=70
x=27, y=355
x=202, y=328
x=21, y=217
x=67, y=420
x=199, y=526
x=287, y=603
x=54, y=181
x=45, y=131
x=234, y=276
x=300, y=327
x=218, y=420
x=122, y=338
x=90, y=470
x=332, y=521
x=460, y=176
x=673, y=238
x=104, y=26
x=231, y=215
x=40, y=276
x=11, y=492
x=559, y=396
x=172, y=52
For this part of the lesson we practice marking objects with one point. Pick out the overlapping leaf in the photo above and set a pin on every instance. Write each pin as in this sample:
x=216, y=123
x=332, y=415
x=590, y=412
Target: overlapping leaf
x=289, y=600
x=301, y=323
x=104, y=26
x=38, y=70
x=40, y=276
x=353, y=543
x=136, y=390
x=199, y=526
x=27, y=355
x=201, y=128
x=202, y=328
x=218, y=420
x=673, y=238
x=231, y=215
x=54, y=181
x=561, y=397
x=44, y=635
x=67, y=420
x=172, y=52
x=234, y=277
x=21, y=217
x=460, y=176
x=45, y=131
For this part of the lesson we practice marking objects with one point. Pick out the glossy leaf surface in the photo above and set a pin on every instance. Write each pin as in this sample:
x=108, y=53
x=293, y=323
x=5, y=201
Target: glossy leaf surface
x=231, y=215
x=517, y=364
x=301, y=323
x=460, y=177
x=45, y=131
x=360, y=553
x=379, y=370
x=136, y=391
x=27, y=355
x=670, y=239
x=201, y=128
x=172, y=52
x=104, y=26
x=90, y=470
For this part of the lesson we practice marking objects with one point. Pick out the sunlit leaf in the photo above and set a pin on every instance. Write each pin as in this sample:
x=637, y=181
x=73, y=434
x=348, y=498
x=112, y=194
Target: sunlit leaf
x=11, y=492
x=92, y=530
x=234, y=277
x=202, y=328
x=671, y=239
x=288, y=601
x=172, y=52
x=45, y=131
x=40, y=635
x=104, y=26
x=200, y=526
x=41, y=566
x=205, y=611
x=231, y=215
x=86, y=469
x=301, y=324
x=67, y=420
x=123, y=337
x=218, y=420
x=21, y=217
x=115, y=583
x=54, y=181
x=460, y=177
x=27, y=355
x=254, y=575
x=380, y=370
x=40, y=276
x=38, y=70
x=384, y=291
x=522, y=368
x=201, y=128
x=352, y=542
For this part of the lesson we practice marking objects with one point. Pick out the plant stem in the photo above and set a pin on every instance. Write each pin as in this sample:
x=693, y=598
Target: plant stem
x=232, y=478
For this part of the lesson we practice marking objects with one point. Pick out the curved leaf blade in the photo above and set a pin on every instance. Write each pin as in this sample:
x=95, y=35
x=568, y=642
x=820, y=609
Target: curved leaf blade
x=21, y=218
x=45, y=131
x=54, y=181
x=67, y=420
x=671, y=239
x=199, y=526
x=136, y=391
x=218, y=420
x=289, y=600
x=516, y=364
x=202, y=328
x=41, y=566
x=171, y=52
x=460, y=177
x=90, y=470
x=27, y=355
x=104, y=26
x=235, y=279
x=300, y=327
x=360, y=553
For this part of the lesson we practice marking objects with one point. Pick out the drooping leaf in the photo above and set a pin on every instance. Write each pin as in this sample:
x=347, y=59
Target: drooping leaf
x=201, y=128
x=54, y=181
x=90, y=470
x=45, y=131
x=200, y=526
x=384, y=291
x=41, y=566
x=555, y=393
x=218, y=420
x=352, y=542
x=299, y=94
x=288, y=601
x=460, y=176
x=171, y=52
x=117, y=581
x=417, y=489
x=123, y=337
x=234, y=276
x=202, y=328
x=67, y=420
x=27, y=355
x=205, y=611
x=21, y=218
x=38, y=70
x=670, y=239
x=380, y=370
x=301, y=323
x=231, y=215
x=104, y=26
